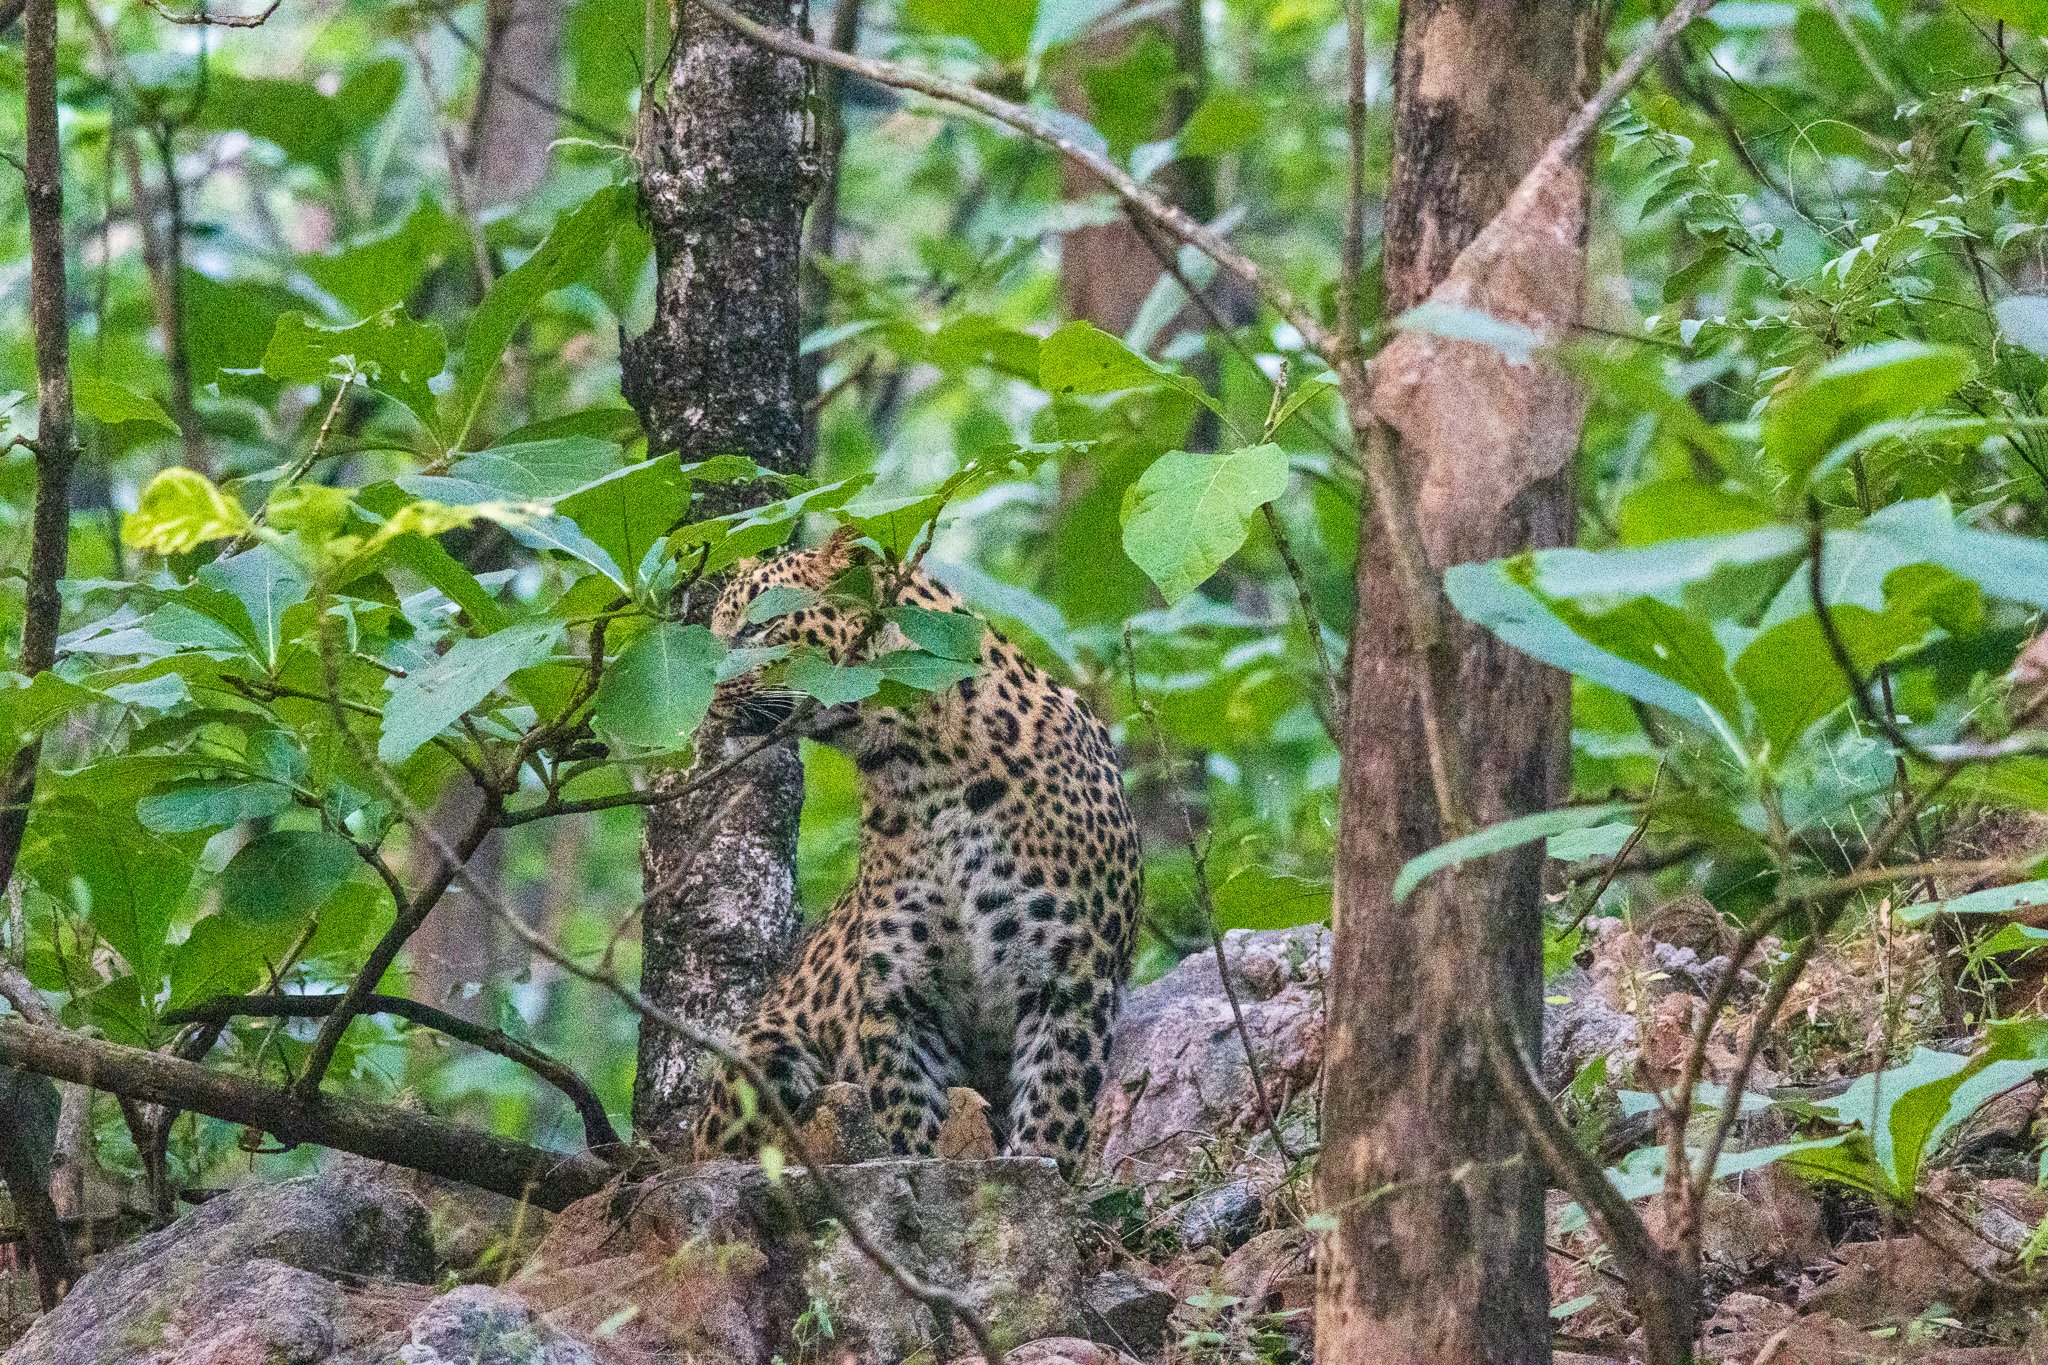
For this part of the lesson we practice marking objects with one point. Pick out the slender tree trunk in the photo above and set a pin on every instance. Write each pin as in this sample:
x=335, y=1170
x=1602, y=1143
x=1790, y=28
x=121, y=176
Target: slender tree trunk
x=727, y=169
x=1437, y=1250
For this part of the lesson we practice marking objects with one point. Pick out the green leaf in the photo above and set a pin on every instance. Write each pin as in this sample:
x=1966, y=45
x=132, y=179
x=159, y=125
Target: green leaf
x=375, y=272
x=1856, y=389
x=780, y=600
x=923, y=672
x=1455, y=322
x=815, y=675
x=540, y=471
x=1188, y=513
x=307, y=126
x=948, y=634
x=1686, y=509
x=129, y=881
x=181, y=510
x=1256, y=899
x=1508, y=834
x=736, y=536
x=223, y=956
x=285, y=875
x=2030, y=15
x=1223, y=122
x=1997, y=900
x=630, y=512
x=1003, y=31
x=431, y=699
x=394, y=353
x=217, y=804
x=268, y=584
x=654, y=695
x=2012, y=568
x=114, y=405
x=1081, y=358
x=566, y=255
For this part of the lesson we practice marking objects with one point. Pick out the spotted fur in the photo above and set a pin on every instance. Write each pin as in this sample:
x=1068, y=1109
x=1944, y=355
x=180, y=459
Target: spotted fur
x=989, y=932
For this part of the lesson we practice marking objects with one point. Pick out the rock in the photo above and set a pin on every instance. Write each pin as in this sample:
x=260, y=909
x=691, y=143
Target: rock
x=1058, y=1351
x=1579, y=1024
x=479, y=1325
x=966, y=1134
x=1128, y=1311
x=1224, y=1218
x=249, y=1276
x=1177, y=1078
x=841, y=1127
x=719, y=1264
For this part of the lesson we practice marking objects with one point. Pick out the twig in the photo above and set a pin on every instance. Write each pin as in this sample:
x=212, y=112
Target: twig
x=1351, y=270
x=1199, y=858
x=1838, y=648
x=403, y=1137
x=598, y=1133
x=202, y=19
x=1120, y=182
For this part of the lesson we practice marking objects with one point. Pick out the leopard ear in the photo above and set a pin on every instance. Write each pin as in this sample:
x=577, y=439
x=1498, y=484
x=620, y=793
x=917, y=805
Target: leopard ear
x=841, y=549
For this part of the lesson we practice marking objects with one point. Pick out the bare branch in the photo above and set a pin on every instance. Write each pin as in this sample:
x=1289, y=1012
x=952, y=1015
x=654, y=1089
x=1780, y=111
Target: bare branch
x=200, y=18
x=598, y=1133
x=1172, y=219
x=403, y=1137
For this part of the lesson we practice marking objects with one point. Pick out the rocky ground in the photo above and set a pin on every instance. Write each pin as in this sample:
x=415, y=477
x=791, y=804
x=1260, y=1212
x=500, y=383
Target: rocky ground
x=1185, y=1242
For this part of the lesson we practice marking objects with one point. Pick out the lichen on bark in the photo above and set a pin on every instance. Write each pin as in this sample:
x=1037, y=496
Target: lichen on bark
x=727, y=166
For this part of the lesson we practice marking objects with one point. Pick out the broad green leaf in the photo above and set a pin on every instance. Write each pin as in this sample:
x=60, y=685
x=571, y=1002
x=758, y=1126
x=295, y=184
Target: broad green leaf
x=1997, y=900
x=1668, y=641
x=94, y=856
x=736, y=536
x=1508, y=834
x=632, y=511
x=311, y=128
x=1188, y=512
x=209, y=805
x=114, y=405
x=375, y=272
x=2010, y=567
x=1487, y=596
x=1686, y=509
x=268, y=584
x=1223, y=122
x=1081, y=358
x=1854, y=390
x=780, y=600
x=539, y=471
x=395, y=354
x=923, y=672
x=1003, y=31
x=225, y=956
x=1791, y=676
x=815, y=675
x=29, y=706
x=1257, y=899
x=2028, y=15
x=948, y=634
x=285, y=875
x=566, y=255
x=1658, y=570
x=431, y=699
x=181, y=510
x=656, y=692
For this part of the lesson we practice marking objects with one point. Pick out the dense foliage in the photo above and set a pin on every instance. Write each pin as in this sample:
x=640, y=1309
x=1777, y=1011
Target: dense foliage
x=363, y=520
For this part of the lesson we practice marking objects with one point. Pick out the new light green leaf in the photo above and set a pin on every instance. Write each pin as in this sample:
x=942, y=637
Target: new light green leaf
x=654, y=695
x=1080, y=358
x=181, y=510
x=815, y=675
x=1189, y=512
x=429, y=700
x=1508, y=834
x=948, y=634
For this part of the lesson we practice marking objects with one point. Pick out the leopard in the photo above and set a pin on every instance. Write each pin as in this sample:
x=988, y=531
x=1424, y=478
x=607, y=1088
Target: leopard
x=989, y=930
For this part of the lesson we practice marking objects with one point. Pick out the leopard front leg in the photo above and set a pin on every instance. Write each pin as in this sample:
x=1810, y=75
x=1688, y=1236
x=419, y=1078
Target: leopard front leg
x=907, y=1066
x=789, y=1062
x=1056, y=1068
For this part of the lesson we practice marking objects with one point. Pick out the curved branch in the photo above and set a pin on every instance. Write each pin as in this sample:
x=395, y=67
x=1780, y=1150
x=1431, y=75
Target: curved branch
x=403, y=1137
x=598, y=1133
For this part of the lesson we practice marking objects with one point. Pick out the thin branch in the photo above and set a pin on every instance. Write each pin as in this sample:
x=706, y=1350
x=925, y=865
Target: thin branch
x=1199, y=859
x=1174, y=220
x=200, y=18
x=1351, y=273
x=403, y=1137
x=598, y=1133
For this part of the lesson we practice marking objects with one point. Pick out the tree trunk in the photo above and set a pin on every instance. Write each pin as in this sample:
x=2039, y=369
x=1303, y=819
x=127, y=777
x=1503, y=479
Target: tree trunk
x=727, y=170
x=1437, y=1248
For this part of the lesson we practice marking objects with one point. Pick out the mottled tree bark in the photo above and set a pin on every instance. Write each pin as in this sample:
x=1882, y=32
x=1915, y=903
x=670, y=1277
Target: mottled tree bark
x=726, y=171
x=1437, y=1251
